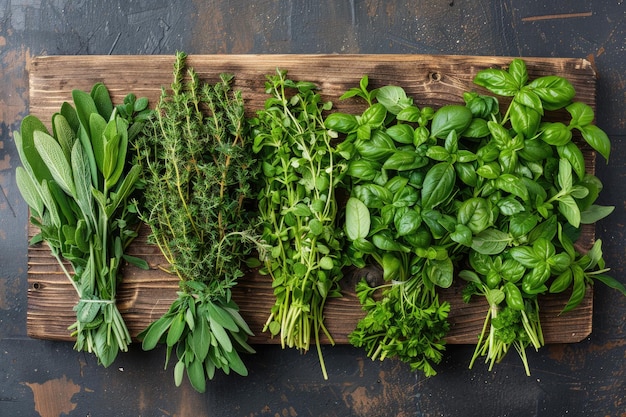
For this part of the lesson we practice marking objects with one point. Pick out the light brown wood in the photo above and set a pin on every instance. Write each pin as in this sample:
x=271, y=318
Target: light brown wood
x=145, y=295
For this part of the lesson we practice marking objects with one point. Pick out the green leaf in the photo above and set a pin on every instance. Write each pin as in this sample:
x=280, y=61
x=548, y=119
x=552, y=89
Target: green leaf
x=30, y=191
x=154, y=332
x=555, y=92
x=85, y=107
x=574, y=155
x=222, y=317
x=595, y=213
x=82, y=180
x=490, y=242
x=438, y=185
x=179, y=372
x=52, y=155
x=373, y=116
x=64, y=134
x=401, y=133
x=569, y=209
x=102, y=100
x=357, y=219
x=565, y=177
x=450, y=118
x=393, y=98
x=597, y=139
x=524, y=120
x=578, y=291
x=220, y=334
x=200, y=337
x=497, y=81
x=235, y=362
x=511, y=184
x=195, y=373
x=25, y=141
x=177, y=327
x=610, y=282
x=440, y=272
x=582, y=114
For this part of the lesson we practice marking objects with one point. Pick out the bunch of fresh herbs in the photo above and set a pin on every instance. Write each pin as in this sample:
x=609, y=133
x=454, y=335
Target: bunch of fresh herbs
x=301, y=171
x=198, y=169
x=78, y=187
x=501, y=196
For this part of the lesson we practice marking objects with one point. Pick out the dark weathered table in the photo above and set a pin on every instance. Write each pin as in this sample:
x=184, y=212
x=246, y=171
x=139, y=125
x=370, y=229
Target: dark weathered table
x=48, y=378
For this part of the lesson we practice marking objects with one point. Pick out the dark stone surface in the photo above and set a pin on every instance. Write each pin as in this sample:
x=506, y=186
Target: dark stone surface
x=50, y=379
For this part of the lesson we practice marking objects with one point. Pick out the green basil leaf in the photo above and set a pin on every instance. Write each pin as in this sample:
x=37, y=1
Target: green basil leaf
x=510, y=206
x=409, y=114
x=357, y=219
x=394, y=98
x=524, y=120
x=526, y=256
x=440, y=272
x=384, y=240
x=401, y=161
x=450, y=118
x=565, y=177
x=582, y=114
x=341, y=122
x=610, y=282
x=462, y=234
x=511, y=184
x=491, y=241
x=579, y=290
x=497, y=81
x=363, y=169
x=438, y=185
x=476, y=214
x=407, y=223
x=595, y=213
x=530, y=99
x=522, y=223
x=373, y=116
x=556, y=134
x=597, y=139
x=555, y=92
x=571, y=152
x=438, y=153
x=517, y=69
x=401, y=133
x=569, y=209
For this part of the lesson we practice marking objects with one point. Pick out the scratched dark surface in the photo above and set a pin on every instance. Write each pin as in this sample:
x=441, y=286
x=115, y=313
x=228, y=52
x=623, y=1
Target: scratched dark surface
x=49, y=379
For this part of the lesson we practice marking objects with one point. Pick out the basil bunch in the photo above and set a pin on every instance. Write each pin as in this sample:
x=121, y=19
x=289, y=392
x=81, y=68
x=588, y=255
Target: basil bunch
x=78, y=187
x=501, y=196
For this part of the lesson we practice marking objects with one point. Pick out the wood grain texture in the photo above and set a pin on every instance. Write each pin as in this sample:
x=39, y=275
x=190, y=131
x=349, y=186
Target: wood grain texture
x=145, y=295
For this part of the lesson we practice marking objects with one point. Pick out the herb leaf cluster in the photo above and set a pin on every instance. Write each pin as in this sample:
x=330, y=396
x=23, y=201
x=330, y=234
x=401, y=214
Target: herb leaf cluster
x=78, y=186
x=297, y=205
x=197, y=174
x=497, y=198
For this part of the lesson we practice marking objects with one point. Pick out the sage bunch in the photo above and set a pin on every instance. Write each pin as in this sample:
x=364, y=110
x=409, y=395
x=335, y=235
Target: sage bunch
x=78, y=186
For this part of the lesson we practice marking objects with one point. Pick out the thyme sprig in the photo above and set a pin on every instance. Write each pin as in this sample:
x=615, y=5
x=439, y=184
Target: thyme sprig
x=197, y=168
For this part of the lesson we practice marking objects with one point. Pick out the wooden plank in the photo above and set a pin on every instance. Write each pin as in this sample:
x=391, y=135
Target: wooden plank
x=145, y=295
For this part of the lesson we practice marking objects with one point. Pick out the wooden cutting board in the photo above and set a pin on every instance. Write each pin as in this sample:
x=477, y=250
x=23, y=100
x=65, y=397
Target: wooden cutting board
x=431, y=80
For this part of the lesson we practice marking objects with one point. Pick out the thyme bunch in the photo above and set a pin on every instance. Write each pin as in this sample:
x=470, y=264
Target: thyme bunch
x=197, y=168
